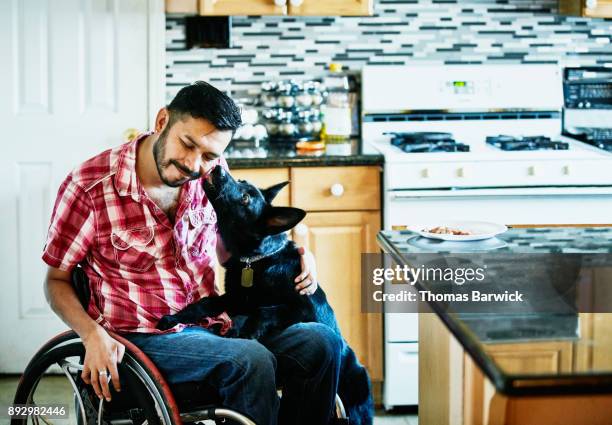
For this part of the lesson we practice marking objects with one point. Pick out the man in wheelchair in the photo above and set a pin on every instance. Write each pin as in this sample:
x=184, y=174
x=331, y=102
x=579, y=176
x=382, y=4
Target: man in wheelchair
x=138, y=222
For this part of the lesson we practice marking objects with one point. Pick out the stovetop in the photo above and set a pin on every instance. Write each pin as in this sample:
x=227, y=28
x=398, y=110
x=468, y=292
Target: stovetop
x=526, y=143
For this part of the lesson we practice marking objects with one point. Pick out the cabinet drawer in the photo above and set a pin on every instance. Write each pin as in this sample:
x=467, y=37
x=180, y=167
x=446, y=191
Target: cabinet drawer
x=266, y=177
x=335, y=188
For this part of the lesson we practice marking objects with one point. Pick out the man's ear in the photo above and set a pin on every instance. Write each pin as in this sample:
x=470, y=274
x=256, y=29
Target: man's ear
x=161, y=120
x=271, y=192
x=281, y=219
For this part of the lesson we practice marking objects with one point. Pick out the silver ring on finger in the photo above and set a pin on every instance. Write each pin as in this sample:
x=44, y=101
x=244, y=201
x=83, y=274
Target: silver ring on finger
x=103, y=373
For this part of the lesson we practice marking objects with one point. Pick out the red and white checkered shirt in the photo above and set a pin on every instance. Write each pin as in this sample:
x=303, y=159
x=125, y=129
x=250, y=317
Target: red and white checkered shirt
x=140, y=266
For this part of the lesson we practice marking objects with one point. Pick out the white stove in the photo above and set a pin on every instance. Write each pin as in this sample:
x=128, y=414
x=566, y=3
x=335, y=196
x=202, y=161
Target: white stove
x=569, y=185
x=472, y=103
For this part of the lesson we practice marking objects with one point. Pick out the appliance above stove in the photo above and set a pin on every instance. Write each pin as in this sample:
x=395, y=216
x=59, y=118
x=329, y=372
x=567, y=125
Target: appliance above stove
x=426, y=141
x=461, y=88
x=525, y=143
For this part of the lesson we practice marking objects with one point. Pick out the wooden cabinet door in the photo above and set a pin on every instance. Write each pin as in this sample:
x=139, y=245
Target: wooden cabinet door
x=331, y=7
x=599, y=9
x=240, y=7
x=533, y=357
x=182, y=6
x=337, y=240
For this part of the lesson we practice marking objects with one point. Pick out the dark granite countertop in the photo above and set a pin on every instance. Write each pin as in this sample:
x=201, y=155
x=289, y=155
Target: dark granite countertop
x=270, y=156
x=572, y=327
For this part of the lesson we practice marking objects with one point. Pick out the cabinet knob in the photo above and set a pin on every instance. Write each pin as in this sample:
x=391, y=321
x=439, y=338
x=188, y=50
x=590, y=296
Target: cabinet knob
x=336, y=189
x=531, y=171
x=425, y=173
x=566, y=170
x=301, y=229
x=280, y=2
x=460, y=172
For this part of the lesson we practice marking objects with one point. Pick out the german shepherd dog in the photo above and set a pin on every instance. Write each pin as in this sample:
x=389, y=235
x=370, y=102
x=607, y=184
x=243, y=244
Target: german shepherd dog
x=260, y=292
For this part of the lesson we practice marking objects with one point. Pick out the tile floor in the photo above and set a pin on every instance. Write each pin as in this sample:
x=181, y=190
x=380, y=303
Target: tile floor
x=56, y=388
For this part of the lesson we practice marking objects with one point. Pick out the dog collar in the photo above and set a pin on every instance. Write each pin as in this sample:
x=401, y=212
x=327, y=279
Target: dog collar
x=251, y=260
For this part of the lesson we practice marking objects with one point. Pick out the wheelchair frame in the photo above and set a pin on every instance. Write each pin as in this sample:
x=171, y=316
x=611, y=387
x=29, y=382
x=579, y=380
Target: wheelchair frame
x=136, y=363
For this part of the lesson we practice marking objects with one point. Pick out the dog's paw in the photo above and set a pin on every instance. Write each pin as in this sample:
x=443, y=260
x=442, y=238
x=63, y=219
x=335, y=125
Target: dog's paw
x=167, y=322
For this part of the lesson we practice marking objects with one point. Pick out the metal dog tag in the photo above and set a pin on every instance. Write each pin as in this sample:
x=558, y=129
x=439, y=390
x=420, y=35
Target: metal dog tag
x=246, y=277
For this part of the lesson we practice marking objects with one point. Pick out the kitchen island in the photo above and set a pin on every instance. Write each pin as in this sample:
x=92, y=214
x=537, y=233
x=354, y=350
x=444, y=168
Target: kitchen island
x=518, y=368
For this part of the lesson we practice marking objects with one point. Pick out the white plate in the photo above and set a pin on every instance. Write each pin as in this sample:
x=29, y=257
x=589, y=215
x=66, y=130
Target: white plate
x=479, y=229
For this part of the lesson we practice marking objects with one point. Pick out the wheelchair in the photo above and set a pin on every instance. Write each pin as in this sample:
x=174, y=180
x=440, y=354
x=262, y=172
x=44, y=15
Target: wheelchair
x=145, y=396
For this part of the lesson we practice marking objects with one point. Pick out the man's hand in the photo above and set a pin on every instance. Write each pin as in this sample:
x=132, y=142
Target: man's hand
x=102, y=353
x=307, y=280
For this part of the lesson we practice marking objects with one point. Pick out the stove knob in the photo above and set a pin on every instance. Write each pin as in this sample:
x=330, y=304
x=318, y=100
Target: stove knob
x=425, y=173
x=531, y=171
x=336, y=189
x=566, y=170
x=461, y=172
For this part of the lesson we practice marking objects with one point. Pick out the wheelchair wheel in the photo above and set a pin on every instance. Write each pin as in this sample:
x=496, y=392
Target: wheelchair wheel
x=141, y=400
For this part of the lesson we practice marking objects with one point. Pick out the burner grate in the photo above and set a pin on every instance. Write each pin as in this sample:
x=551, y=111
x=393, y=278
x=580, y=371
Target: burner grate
x=420, y=142
x=527, y=143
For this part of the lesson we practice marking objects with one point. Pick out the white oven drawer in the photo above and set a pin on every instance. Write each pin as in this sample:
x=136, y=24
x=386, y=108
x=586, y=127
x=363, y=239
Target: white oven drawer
x=401, y=385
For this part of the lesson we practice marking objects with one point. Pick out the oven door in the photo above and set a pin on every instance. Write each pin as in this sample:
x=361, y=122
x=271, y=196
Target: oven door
x=518, y=205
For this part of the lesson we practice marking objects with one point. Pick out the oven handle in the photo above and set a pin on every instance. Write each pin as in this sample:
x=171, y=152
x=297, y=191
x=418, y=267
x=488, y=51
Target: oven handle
x=398, y=195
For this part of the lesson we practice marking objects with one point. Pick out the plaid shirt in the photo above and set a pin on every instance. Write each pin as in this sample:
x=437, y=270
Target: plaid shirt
x=140, y=266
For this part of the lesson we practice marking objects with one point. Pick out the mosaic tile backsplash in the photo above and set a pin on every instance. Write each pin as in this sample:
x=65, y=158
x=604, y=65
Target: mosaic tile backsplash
x=400, y=32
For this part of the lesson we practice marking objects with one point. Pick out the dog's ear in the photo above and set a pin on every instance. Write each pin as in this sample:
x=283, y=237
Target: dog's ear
x=271, y=192
x=281, y=219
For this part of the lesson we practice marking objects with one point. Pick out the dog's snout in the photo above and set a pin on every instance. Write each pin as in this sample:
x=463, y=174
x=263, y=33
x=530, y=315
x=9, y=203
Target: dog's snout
x=218, y=171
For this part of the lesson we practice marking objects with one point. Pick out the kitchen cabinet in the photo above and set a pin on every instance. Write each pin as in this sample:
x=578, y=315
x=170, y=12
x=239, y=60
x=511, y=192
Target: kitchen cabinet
x=454, y=391
x=226, y=7
x=337, y=240
x=587, y=8
x=271, y=7
x=331, y=7
x=344, y=217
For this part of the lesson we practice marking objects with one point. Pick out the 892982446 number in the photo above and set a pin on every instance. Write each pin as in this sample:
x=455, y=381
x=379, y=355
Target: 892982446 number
x=21, y=411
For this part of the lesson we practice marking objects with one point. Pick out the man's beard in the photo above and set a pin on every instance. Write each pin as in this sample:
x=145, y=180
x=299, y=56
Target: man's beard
x=159, y=151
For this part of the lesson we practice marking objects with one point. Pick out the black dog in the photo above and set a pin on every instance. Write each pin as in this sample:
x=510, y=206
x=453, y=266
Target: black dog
x=260, y=293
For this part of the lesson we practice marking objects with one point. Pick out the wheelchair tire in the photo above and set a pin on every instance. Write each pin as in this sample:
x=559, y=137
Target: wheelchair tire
x=148, y=394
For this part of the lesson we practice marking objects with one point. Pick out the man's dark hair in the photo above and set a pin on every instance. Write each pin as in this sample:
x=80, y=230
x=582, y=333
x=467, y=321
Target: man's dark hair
x=201, y=100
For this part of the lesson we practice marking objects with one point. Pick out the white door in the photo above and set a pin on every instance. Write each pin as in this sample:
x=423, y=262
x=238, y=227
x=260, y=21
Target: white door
x=74, y=77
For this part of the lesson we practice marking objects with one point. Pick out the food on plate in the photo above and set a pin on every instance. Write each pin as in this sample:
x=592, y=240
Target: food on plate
x=443, y=230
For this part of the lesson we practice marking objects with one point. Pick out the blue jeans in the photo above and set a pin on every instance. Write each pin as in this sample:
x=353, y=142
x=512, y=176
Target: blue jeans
x=304, y=359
